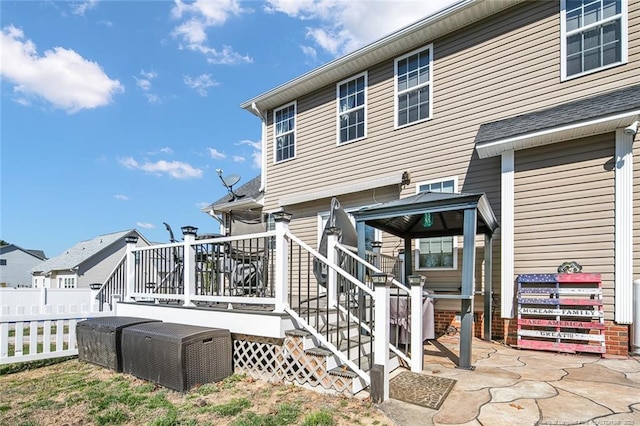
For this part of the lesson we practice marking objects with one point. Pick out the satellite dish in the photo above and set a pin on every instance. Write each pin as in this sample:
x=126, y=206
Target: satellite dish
x=231, y=180
x=228, y=183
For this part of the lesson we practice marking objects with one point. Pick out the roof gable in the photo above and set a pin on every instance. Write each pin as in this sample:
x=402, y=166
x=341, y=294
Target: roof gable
x=81, y=252
x=11, y=247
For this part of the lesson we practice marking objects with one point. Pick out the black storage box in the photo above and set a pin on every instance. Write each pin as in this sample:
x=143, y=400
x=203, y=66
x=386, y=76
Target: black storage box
x=99, y=339
x=177, y=356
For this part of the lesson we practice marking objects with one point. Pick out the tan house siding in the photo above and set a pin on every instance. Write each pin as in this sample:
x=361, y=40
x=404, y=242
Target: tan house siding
x=497, y=68
x=564, y=209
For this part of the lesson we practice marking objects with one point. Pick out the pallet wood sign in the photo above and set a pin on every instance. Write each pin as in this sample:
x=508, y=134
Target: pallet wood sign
x=561, y=312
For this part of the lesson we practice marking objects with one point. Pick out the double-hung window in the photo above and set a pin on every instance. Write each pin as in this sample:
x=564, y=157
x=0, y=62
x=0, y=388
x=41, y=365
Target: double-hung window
x=413, y=87
x=437, y=252
x=284, y=121
x=594, y=35
x=352, y=108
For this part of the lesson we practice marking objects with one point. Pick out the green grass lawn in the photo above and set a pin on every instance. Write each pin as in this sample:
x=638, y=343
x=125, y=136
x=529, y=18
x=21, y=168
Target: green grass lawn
x=75, y=392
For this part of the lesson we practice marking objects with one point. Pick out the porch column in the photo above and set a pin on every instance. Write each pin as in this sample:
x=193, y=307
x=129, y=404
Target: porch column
x=488, y=285
x=468, y=272
x=189, y=264
x=333, y=233
x=131, y=241
x=281, y=263
x=624, y=227
x=380, y=391
x=417, y=333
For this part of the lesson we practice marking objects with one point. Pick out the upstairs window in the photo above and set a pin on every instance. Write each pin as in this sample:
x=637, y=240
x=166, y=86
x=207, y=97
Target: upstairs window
x=594, y=35
x=413, y=87
x=284, y=120
x=437, y=252
x=352, y=100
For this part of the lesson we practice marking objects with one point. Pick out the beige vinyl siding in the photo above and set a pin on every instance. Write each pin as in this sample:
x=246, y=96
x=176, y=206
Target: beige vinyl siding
x=564, y=209
x=497, y=68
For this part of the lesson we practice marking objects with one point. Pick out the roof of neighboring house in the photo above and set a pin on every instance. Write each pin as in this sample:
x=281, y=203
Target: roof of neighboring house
x=81, y=252
x=438, y=24
x=10, y=247
x=249, y=195
x=611, y=103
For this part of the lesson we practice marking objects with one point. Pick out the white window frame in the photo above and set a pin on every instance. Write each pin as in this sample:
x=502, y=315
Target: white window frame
x=347, y=111
x=624, y=40
x=276, y=135
x=455, y=238
x=429, y=83
x=67, y=281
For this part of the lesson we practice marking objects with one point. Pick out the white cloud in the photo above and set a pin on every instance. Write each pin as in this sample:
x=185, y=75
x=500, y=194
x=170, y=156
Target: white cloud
x=238, y=159
x=59, y=76
x=145, y=225
x=82, y=7
x=310, y=52
x=338, y=24
x=216, y=154
x=144, y=83
x=165, y=150
x=201, y=83
x=121, y=197
x=174, y=169
x=198, y=17
x=256, y=155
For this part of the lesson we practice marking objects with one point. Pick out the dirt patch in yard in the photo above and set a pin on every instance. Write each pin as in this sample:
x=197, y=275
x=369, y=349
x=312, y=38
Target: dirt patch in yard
x=77, y=393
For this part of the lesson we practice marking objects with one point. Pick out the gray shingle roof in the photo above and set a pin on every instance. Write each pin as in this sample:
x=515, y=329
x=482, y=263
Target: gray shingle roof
x=250, y=189
x=10, y=247
x=611, y=103
x=79, y=253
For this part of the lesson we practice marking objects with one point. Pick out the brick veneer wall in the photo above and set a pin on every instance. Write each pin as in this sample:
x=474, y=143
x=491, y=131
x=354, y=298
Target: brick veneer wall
x=506, y=329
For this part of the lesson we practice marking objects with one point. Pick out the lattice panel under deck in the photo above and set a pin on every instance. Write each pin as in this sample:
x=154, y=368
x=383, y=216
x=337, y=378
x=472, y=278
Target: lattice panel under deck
x=286, y=363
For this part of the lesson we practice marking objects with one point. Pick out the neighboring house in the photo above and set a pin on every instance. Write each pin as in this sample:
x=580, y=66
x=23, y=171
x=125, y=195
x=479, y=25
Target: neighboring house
x=87, y=262
x=535, y=103
x=15, y=263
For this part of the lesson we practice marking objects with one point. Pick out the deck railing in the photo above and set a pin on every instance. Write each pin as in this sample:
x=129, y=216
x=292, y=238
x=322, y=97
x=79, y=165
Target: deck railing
x=275, y=270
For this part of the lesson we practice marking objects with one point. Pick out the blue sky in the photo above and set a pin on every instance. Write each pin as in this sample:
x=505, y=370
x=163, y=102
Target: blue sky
x=115, y=114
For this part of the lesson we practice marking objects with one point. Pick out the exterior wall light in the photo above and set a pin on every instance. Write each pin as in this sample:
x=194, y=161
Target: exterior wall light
x=380, y=279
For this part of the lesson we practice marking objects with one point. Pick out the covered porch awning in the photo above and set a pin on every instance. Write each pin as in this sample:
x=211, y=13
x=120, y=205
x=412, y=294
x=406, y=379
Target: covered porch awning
x=435, y=214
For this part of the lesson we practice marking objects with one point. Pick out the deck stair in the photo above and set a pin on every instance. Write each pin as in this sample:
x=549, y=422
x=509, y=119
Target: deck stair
x=317, y=364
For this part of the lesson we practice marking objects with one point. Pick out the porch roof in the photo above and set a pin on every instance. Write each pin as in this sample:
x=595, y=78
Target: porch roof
x=404, y=217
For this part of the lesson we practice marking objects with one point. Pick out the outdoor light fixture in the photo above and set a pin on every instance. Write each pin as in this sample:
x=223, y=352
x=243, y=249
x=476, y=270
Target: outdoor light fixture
x=189, y=230
x=282, y=216
x=376, y=244
x=379, y=278
x=632, y=129
x=95, y=286
x=130, y=239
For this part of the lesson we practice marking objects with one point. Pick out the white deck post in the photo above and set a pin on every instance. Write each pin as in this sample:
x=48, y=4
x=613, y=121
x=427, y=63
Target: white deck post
x=189, y=264
x=281, y=220
x=333, y=233
x=417, y=333
x=131, y=241
x=381, y=344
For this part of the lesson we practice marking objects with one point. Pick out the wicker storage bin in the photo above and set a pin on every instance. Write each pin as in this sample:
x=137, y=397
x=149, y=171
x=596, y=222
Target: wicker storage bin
x=99, y=339
x=177, y=356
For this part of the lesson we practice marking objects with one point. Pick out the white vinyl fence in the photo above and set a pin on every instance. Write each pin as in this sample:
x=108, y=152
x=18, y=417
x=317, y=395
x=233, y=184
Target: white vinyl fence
x=40, y=323
x=40, y=336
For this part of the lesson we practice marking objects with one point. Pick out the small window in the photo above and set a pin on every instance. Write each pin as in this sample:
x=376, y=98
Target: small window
x=413, y=87
x=352, y=115
x=594, y=35
x=284, y=121
x=437, y=252
x=3, y=262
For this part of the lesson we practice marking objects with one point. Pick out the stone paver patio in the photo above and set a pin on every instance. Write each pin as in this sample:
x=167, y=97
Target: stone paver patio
x=526, y=387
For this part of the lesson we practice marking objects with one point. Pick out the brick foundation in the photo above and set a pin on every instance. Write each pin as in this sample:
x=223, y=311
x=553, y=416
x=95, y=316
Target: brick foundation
x=506, y=330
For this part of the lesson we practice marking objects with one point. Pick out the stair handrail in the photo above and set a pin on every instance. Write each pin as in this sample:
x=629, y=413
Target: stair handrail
x=101, y=290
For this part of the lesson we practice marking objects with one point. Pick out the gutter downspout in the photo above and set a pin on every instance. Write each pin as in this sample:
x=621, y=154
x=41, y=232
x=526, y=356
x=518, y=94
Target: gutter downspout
x=263, y=154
